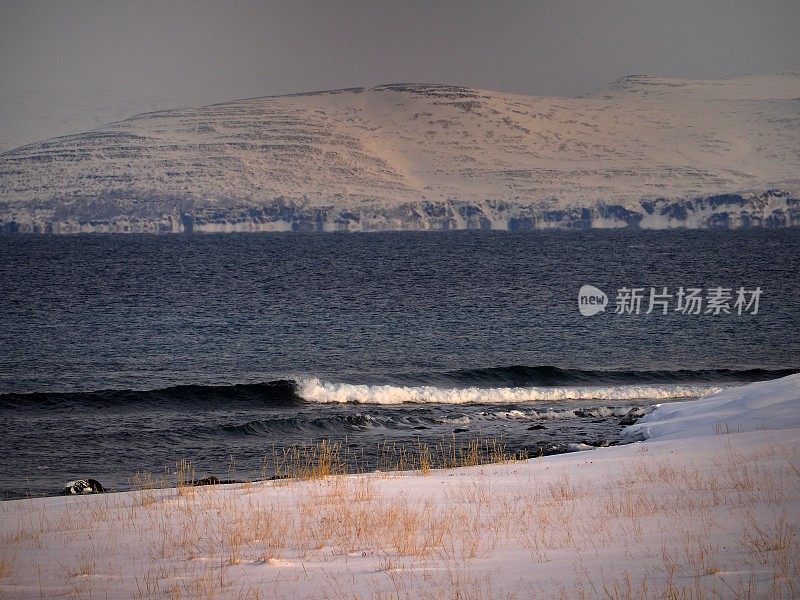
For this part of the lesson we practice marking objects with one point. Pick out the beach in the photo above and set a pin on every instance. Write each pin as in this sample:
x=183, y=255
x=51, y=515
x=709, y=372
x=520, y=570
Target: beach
x=706, y=506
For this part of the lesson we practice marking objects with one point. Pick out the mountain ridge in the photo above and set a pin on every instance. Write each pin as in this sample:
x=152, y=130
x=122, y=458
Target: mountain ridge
x=643, y=151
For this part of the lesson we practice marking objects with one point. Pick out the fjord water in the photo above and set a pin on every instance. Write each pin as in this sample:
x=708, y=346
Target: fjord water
x=129, y=352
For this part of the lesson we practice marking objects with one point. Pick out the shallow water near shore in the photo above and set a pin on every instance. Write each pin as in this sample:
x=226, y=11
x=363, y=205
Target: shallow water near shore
x=121, y=354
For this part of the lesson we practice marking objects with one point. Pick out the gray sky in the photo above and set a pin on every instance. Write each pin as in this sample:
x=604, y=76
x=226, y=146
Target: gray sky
x=78, y=56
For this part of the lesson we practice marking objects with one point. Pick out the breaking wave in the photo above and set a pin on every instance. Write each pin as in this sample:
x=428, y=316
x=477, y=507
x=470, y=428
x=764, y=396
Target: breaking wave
x=521, y=384
x=315, y=390
x=495, y=385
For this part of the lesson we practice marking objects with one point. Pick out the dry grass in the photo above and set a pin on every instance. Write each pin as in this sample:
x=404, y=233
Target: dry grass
x=316, y=461
x=318, y=529
x=7, y=560
x=144, y=486
x=184, y=478
x=327, y=458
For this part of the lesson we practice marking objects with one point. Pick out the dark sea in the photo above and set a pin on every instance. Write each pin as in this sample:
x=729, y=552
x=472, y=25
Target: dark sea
x=124, y=354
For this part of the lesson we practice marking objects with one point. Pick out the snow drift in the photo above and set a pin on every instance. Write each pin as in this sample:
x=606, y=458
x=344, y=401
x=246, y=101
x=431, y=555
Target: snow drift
x=763, y=405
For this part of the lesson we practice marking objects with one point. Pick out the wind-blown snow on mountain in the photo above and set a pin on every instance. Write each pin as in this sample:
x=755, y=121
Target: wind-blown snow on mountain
x=643, y=152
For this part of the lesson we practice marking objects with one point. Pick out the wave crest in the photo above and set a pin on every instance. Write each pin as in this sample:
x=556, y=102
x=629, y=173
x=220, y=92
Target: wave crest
x=512, y=384
x=316, y=390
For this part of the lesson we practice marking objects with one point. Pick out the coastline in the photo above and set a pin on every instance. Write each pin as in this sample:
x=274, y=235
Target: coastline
x=392, y=301
x=694, y=511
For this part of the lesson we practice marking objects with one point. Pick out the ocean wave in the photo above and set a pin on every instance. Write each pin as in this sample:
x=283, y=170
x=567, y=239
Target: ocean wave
x=546, y=375
x=318, y=425
x=597, y=412
x=273, y=393
x=512, y=384
x=337, y=424
x=316, y=390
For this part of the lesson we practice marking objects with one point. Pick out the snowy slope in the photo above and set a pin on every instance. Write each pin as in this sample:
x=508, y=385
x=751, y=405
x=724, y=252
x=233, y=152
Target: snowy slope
x=644, y=151
x=765, y=405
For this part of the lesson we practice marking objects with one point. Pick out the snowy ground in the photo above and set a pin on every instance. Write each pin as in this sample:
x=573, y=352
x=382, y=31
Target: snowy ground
x=708, y=506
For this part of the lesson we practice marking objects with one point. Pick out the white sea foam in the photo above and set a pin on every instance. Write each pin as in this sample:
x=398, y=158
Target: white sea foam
x=316, y=390
x=463, y=420
x=509, y=414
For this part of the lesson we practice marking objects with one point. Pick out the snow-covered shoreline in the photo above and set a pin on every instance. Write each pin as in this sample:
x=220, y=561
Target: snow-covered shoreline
x=766, y=405
x=708, y=506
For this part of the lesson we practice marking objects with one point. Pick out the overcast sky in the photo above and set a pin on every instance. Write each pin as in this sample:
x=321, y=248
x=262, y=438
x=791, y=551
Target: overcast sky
x=78, y=56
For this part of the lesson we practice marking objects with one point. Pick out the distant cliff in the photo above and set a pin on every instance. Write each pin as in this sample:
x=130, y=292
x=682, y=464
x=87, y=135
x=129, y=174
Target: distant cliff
x=644, y=152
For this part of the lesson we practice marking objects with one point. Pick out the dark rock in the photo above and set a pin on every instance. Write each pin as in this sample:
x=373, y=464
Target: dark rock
x=632, y=416
x=207, y=481
x=83, y=486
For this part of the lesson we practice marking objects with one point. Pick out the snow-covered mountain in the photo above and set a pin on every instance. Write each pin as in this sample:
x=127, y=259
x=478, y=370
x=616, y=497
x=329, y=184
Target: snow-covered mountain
x=643, y=152
x=34, y=115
